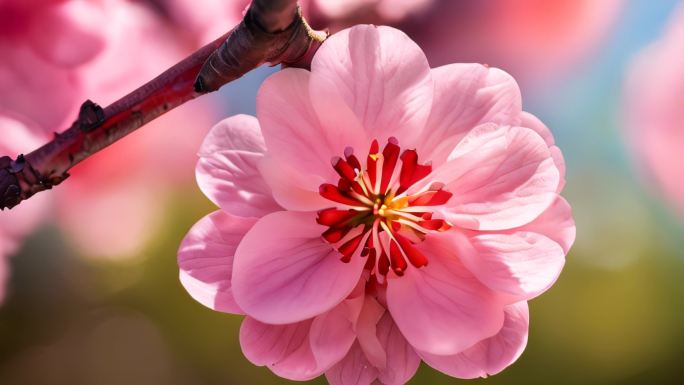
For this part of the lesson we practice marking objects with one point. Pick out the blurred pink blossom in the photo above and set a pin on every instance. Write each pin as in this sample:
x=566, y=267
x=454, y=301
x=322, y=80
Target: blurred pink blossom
x=534, y=40
x=340, y=266
x=201, y=21
x=655, y=113
x=42, y=42
x=100, y=50
x=132, y=178
x=335, y=13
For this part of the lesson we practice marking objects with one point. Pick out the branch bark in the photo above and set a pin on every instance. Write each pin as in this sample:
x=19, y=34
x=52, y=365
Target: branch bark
x=272, y=31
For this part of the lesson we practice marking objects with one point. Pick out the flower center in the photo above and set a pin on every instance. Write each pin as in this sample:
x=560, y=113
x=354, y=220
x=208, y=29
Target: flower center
x=375, y=212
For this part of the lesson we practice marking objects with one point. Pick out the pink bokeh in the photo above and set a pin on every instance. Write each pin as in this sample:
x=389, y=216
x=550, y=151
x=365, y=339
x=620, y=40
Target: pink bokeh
x=55, y=55
x=654, y=112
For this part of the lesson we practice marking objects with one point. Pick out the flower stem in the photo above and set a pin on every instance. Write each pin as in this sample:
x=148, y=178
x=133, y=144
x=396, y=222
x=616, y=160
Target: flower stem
x=272, y=31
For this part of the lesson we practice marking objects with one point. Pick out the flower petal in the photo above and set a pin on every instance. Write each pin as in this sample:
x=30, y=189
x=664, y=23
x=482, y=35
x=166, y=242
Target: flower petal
x=381, y=75
x=284, y=349
x=284, y=272
x=294, y=135
x=227, y=170
x=520, y=263
x=205, y=258
x=332, y=334
x=531, y=121
x=292, y=189
x=466, y=96
x=500, y=178
x=367, y=332
x=402, y=360
x=524, y=261
x=442, y=308
x=354, y=369
x=489, y=356
x=556, y=223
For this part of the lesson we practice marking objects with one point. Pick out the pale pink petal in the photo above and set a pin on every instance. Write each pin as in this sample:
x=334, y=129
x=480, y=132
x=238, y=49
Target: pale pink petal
x=227, y=170
x=294, y=135
x=381, y=75
x=491, y=355
x=69, y=34
x=332, y=334
x=205, y=259
x=524, y=261
x=284, y=349
x=443, y=308
x=402, y=360
x=291, y=187
x=556, y=223
x=501, y=177
x=285, y=272
x=521, y=263
x=531, y=121
x=354, y=369
x=367, y=331
x=466, y=96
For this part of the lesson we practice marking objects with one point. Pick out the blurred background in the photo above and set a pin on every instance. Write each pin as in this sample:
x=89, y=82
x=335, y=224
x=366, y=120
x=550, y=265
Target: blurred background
x=92, y=293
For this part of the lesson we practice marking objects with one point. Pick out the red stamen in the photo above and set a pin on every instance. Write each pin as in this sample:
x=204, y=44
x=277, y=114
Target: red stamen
x=351, y=158
x=383, y=263
x=335, y=234
x=343, y=169
x=430, y=198
x=371, y=161
x=411, y=171
x=335, y=217
x=370, y=263
x=414, y=256
x=399, y=265
x=435, y=224
x=390, y=156
x=349, y=247
x=331, y=192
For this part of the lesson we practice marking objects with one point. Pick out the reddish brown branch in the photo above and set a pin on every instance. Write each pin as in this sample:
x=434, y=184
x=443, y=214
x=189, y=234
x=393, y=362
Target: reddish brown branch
x=273, y=31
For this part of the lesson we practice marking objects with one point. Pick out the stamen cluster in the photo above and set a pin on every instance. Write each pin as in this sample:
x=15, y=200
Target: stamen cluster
x=376, y=213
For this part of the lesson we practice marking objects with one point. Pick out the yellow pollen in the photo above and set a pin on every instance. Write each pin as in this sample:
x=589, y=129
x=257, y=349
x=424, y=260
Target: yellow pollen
x=382, y=209
x=374, y=156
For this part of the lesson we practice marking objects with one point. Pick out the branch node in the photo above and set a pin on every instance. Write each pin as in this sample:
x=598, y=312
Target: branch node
x=9, y=184
x=90, y=116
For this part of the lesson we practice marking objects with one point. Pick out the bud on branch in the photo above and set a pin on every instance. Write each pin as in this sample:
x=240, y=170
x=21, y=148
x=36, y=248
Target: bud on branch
x=272, y=31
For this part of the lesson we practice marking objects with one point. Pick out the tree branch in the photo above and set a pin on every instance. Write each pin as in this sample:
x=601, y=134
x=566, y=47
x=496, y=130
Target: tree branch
x=272, y=31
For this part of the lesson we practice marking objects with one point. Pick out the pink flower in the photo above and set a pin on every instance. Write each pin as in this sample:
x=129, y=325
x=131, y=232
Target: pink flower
x=438, y=217
x=654, y=92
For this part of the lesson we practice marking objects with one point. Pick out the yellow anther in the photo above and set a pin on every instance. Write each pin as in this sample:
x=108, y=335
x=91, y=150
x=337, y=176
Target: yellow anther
x=382, y=209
